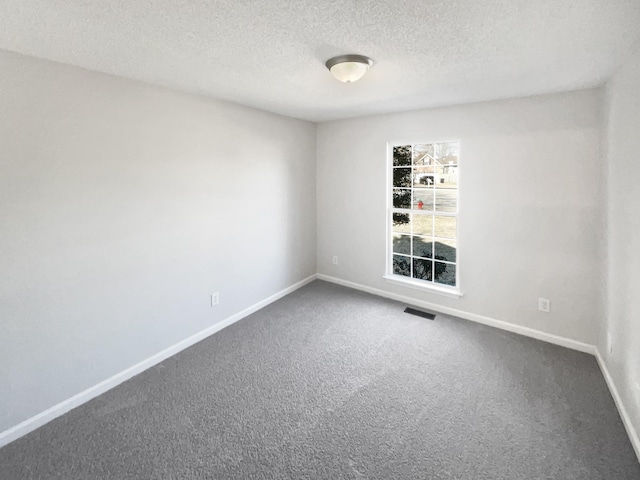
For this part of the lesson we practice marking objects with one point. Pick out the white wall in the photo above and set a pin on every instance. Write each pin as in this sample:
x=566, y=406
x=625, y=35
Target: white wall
x=122, y=207
x=531, y=206
x=623, y=320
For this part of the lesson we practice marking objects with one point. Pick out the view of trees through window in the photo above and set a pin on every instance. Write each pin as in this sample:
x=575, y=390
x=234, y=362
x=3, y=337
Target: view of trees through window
x=424, y=212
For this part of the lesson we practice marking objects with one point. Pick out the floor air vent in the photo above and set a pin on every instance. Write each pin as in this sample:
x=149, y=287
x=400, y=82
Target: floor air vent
x=419, y=313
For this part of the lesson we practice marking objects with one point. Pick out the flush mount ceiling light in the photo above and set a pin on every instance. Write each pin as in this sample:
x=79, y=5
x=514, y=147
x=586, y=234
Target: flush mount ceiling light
x=349, y=68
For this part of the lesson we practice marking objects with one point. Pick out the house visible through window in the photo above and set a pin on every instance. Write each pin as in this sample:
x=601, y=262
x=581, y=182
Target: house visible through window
x=423, y=214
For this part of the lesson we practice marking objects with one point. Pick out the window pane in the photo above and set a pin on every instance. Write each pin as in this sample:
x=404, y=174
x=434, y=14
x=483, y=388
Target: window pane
x=401, y=223
x=446, y=153
x=445, y=250
x=423, y=154
x=422, y=246
x=448, y=177
x=422, y=269
x=423, y=198
x=445, y=273
x=402, y=156
x=401, y=198
x=402, y=244
x=446, y=200
x=401, y=266
x=423, y=177
x=444, y=227
x=401, y=177
x=422, y=224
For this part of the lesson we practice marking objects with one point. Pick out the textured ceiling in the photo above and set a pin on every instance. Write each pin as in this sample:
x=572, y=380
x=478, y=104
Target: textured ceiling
x=270, y=54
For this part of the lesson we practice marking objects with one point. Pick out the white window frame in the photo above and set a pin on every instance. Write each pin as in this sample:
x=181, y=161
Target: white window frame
x=424, y=285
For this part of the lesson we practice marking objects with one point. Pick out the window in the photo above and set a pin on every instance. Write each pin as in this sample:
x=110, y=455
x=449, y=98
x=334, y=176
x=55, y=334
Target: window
x=423, y=215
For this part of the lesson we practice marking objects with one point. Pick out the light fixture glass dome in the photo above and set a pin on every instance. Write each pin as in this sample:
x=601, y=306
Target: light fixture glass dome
x=349, y=68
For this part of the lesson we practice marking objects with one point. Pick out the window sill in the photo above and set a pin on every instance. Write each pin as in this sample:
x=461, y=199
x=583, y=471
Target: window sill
x=451, y=292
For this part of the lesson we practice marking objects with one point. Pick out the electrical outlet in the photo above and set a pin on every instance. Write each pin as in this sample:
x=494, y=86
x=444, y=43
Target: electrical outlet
x=215, y=298
x=544, y=304
x=335, y=260
x=609, y=344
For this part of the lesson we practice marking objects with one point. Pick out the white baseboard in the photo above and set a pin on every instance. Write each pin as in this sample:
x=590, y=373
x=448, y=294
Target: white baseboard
x=624, y=415
x=63, y=407
x=492, y=322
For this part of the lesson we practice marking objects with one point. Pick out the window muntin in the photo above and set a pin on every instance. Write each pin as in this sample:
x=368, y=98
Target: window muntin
x=423, y=214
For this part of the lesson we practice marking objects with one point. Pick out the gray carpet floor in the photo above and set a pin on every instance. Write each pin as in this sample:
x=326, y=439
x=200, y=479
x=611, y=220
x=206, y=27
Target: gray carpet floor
x=332, y=383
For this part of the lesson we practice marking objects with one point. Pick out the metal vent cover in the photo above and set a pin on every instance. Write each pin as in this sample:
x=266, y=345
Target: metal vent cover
x=419, y=313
